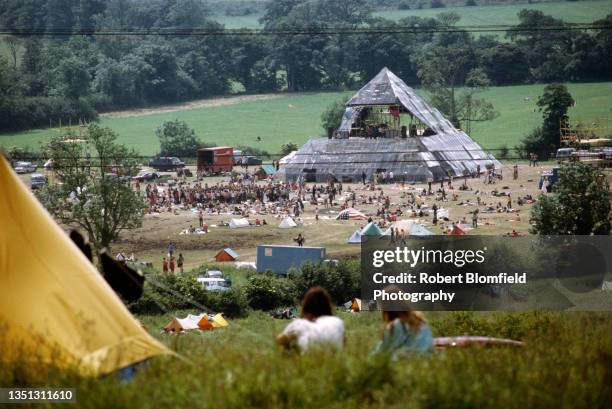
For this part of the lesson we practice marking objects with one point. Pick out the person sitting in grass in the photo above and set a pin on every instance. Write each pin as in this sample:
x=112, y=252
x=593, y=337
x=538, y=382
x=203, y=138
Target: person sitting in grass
x=317, y=326
x=404, y=331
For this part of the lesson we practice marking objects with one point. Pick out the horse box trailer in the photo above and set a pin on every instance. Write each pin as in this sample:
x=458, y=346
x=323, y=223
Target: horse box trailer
x=215, y=160
x=279, y=259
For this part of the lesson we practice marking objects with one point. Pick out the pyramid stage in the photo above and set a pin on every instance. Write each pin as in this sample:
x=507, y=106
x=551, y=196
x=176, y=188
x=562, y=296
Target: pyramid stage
x=387, y=127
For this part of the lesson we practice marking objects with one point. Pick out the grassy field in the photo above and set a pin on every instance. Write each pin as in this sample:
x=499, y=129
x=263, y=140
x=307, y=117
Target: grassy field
x=565, y=363
x=574, y=12
x=296, y=118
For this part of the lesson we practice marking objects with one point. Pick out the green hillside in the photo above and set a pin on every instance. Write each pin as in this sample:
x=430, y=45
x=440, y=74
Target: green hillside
x=570, y=11
x=296, y=117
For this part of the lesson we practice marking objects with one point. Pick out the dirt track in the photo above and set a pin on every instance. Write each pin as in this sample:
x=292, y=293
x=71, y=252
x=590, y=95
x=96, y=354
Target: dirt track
x=201, y=103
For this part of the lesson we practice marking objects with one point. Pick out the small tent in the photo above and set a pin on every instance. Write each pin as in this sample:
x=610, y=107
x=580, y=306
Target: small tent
x=371, y=229
x=355, y=237
x=351, y=214
x=219, y=322
x=606, y=286
x=457, y=230
x=181, y=324
x=287, y=223
x=238, y=223
x=191, y=322
x=226, y=254
x=55, y=305
x=419, y=230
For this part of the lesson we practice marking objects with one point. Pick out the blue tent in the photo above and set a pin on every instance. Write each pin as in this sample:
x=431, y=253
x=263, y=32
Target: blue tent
x=372, y=229
x=419, y=230
x=355, y=238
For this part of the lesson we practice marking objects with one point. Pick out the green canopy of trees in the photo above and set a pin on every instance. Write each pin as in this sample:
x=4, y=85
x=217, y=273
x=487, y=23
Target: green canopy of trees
x=69, y=78
x=579, y=204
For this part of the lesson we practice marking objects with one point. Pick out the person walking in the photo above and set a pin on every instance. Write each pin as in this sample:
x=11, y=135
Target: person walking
x=179, y=262
x=171, y=248
x=300, y=240
x=363, y=177
x=171, y=264
x=475, y=219
x=201, y=219
x=164, y=265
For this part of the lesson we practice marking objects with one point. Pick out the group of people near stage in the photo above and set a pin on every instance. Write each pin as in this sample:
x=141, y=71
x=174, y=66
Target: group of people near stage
x=404, y=331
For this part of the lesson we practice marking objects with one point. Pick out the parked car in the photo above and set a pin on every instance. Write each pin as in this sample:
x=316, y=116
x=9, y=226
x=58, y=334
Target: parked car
x=213, y=274
x=37, y=181
x=564, y=153
x=144, y=176
x=250, y=160
x=25, y=167
x=166, y=163
x=214, y=284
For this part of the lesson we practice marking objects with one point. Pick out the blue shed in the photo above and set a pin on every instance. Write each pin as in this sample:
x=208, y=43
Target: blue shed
x=280, y=259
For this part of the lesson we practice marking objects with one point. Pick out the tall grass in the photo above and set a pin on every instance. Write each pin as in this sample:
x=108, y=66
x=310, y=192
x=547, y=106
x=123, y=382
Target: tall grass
x=565, y=363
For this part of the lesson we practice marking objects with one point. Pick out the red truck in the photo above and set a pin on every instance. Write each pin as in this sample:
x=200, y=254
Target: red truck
x=215, y=160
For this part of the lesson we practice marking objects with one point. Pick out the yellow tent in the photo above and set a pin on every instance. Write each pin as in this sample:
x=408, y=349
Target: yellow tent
x=219, y=322
x=54, y=301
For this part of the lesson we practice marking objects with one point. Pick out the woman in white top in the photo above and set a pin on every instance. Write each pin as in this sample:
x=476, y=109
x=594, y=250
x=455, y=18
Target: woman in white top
x=316, y=325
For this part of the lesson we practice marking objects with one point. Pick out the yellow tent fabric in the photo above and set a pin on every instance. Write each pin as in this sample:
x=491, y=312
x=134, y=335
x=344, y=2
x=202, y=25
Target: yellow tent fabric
x=53, y=299
x=219, y=321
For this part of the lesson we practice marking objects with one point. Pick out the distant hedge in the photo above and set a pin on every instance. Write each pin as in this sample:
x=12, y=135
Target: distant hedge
x=36, y=112
x=266, y=292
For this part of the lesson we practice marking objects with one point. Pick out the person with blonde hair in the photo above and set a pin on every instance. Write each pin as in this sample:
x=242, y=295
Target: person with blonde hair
x=405, y=330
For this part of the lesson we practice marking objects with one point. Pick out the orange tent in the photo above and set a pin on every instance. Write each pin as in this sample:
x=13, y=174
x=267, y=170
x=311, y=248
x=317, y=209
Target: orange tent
x=457, y=230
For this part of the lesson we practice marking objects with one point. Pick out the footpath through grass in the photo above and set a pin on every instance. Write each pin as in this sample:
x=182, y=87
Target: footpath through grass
x=565, y=363
x=297, y=117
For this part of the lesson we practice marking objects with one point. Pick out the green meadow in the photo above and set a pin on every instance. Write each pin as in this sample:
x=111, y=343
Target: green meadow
x=296, y=118
x=570, y=11
x=565, y=363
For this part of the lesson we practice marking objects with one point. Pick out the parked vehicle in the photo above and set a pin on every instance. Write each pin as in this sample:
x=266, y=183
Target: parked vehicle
x=250, y=160
x=215, y=160
x=166, y=163
x=37, y=181
x=564, y=154
x=144, y=176
x=214, y=284
x=25, y=167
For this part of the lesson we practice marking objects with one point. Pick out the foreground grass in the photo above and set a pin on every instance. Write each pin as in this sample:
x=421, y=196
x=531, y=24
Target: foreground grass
x=296, y=118
x=565, y=363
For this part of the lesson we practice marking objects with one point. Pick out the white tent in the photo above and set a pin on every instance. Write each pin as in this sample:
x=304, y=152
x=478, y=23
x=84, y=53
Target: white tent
x=182, y=324
x=238, y=223
x=606, y=286
x=355, y=237
x=287, y=223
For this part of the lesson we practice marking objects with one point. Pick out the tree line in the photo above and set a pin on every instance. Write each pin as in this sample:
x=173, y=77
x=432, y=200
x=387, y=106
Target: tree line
x=72, y=77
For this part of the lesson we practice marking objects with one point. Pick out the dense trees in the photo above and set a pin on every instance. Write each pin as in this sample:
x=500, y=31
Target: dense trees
x=553, y=103
x=579, y=204
x=69, y=78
